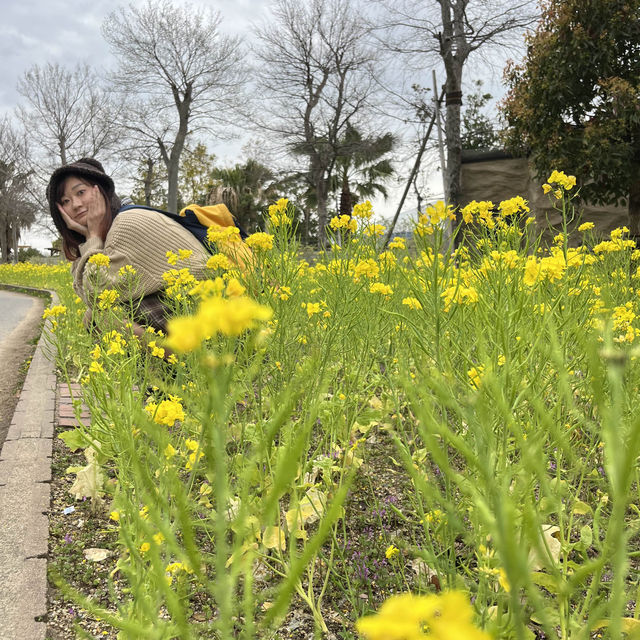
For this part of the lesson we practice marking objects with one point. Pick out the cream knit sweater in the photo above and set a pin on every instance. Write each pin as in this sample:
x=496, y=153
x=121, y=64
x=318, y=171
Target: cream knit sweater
x=139, y=238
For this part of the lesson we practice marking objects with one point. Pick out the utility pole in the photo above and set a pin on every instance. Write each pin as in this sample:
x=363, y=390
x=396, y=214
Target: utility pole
x=412, y=175
x=443, y=164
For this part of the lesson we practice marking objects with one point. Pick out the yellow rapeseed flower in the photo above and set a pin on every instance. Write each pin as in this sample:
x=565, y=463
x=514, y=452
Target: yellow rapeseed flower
x=96, y=367
x=107, y=298
x=412, y=303
x=391, y=552
x=54, y=312
x=100, y=260
x=374, y=230
x=363, y=210
x=381, y=288
x=447, y=616
x=230, y=317
x=397, y=243
x=260, y=241
x=344, y=222
x=562, y=179
x=218, y=261
x=311, y=307
x=278, y=215
x=168, y=412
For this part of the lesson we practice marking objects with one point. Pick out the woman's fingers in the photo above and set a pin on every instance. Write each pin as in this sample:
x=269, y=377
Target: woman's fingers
x=71, y=223
x=96, y=211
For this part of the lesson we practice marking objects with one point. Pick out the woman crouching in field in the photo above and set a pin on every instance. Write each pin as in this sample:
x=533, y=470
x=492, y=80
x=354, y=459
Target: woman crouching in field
x=89, y=216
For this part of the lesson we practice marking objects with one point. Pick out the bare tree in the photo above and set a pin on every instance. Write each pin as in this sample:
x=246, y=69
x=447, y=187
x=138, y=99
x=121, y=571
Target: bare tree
x=315, y=76
x=449, y=32
x=177, y=56
x=67, y=111
x=16, y=211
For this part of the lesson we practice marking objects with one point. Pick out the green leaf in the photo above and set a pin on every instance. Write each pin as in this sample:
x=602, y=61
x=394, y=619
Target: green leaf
x=581, y=508
x=586, y=535
x=546, y=581
x=74, y=439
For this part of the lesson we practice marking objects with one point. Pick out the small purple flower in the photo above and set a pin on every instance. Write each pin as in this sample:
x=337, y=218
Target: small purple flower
x=68, y=539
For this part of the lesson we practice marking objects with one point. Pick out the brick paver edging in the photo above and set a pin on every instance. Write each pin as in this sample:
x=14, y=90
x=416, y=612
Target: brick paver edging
x=25, y=476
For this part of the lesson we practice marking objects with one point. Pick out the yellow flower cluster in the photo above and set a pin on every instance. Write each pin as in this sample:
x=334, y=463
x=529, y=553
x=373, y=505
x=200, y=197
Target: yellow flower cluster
x=382, y=289
x=481, y=210
x=229, y=317
x=54, y=312
x=363, y=210
x=178, y=282
x=278, y=215
x=168, y=412
x=156, y=351
x=513, y=206
x=397, y=243
x=127, y=271
x=311, y=307
x=260, y=241
x=344, y=222
x=374, y=230
x=412, y=303
x=116, y=344
x=368, y=268
x=459, y=294
x=409, y=617
x=617, y=243
x=218, y=261
x=439, y=212
x=223, y=235
x=475, y=376
x=100, y=260
x=561, y=179
x=107, y=298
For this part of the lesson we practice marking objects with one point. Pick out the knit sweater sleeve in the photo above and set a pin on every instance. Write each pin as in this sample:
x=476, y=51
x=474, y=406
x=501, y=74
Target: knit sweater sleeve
x=139, y=238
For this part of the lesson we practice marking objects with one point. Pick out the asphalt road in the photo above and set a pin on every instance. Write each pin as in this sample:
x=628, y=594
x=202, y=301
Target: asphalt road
x=14, y=308
x=19, y=323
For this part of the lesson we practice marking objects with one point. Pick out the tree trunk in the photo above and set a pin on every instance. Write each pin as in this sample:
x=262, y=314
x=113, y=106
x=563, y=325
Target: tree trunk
x=15, y=234
x=4, y=245
x=454, y=144
x=173, y=160
x=148, y=182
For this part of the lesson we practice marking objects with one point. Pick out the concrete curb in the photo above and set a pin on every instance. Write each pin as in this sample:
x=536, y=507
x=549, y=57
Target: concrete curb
x=25, y=476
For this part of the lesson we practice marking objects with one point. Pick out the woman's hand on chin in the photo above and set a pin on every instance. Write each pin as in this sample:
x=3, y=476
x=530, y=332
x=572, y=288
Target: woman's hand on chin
x=72, y=224
x=96, y=212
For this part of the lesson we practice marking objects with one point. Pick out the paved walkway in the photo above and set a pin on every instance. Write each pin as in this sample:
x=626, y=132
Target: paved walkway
x=25, y=477
x=25, y=474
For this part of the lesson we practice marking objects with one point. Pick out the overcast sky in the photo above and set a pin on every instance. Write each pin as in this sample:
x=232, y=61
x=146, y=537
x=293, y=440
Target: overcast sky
x=68, y=32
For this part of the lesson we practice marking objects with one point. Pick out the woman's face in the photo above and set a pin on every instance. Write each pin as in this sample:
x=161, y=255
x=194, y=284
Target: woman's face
x=77, y=196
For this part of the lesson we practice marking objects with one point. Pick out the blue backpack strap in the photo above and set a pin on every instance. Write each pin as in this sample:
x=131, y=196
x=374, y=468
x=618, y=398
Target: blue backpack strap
x=189, y=222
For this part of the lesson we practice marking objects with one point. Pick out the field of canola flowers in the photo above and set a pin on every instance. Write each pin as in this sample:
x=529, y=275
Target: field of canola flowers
x=415, y=443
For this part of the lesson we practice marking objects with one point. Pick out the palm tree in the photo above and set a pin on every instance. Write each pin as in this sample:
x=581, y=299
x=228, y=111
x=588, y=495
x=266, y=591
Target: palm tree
x=361, y=168
x=246, y=189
